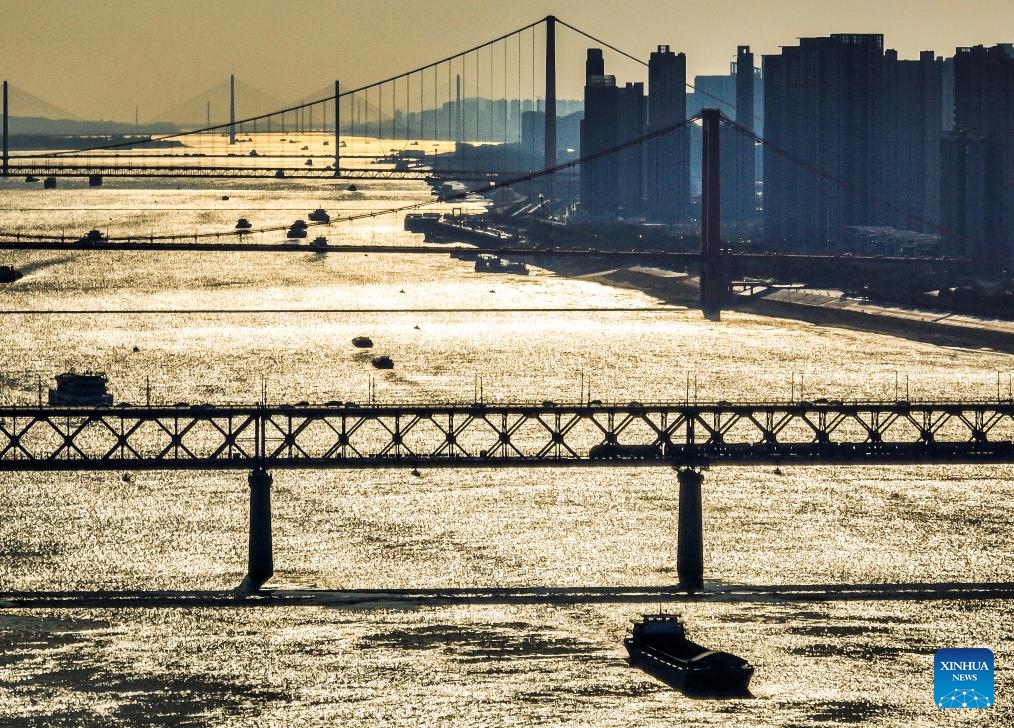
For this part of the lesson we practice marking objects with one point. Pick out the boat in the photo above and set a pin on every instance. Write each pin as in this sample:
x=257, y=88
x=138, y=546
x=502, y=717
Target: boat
x=85, y=389
x=9, y=274
x=658, y=645
x=319, y=215
x=92, y=237
x=319, y=242
x=486, y=263
x=362, y=342
x=243, y=224
x=383, y=362
x=421, y=222
x=298, y=230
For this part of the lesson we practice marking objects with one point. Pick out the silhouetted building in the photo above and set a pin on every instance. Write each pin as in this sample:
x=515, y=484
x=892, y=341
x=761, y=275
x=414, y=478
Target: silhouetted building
x=739, y=202
x=978, y=156
x=719, y=92
x=907, y=144
x=667, y=183
x=613, y=185
x=631, y=118
x=864, y=124
x=598, y=133
x=533, y=138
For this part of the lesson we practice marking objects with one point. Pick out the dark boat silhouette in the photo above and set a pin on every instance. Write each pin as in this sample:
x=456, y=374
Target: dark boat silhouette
x=9, y=274
x=297, y=230
x=86, y=388
x=658, y=645
x=92, y=237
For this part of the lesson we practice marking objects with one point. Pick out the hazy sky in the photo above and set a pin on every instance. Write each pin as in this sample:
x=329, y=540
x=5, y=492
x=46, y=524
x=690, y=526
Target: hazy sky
x=100, y=58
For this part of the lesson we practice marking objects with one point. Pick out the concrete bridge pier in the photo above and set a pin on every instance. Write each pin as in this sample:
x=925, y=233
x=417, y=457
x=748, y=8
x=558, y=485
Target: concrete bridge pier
x=690, y=537
x=260, y=562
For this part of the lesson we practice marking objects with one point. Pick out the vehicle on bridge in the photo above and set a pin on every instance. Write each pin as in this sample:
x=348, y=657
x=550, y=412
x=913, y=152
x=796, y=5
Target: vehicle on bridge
x=86, y=388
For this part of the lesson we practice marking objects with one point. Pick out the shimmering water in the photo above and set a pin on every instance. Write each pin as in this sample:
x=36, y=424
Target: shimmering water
x=506, y=658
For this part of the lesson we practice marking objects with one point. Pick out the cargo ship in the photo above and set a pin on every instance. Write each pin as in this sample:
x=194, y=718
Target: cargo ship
x=658, y=645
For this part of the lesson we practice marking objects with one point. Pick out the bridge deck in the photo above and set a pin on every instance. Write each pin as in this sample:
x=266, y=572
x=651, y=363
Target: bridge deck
x=339, y=435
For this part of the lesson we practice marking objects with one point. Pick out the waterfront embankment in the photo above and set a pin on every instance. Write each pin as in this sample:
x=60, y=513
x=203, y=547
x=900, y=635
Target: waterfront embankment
x=825, y=308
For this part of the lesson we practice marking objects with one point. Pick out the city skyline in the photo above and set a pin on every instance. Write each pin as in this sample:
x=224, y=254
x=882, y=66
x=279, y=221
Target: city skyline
x=100, y=59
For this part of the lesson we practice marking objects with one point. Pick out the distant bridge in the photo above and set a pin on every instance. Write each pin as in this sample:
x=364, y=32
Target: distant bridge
x=136, y=168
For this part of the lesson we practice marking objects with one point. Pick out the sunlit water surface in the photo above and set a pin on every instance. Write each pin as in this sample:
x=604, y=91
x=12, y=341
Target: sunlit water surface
x=395, y=661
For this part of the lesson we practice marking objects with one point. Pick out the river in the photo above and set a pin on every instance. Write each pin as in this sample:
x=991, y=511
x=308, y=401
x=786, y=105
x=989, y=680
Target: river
x=530, y=578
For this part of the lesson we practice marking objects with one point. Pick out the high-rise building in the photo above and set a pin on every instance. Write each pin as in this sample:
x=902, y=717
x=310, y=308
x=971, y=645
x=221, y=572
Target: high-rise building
x=667, y=183
x=864, y=124
x=737, y=153
x=978, y=166
x=611, y=186
x=599, y=178
x=631, y=118
x=907, y=145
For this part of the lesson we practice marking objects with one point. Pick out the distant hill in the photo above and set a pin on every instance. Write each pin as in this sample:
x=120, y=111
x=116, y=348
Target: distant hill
x=194, y=111
x=23, y=103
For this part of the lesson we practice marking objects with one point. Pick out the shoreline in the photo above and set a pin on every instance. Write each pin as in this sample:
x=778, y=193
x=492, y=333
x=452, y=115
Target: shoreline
x=937, y=328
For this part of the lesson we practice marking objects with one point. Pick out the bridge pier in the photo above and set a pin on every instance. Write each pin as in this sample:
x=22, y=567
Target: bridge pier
x=260, y=562
x=690, y=537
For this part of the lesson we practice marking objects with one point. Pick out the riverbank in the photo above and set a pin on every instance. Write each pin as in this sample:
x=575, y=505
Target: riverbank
x=824, y=308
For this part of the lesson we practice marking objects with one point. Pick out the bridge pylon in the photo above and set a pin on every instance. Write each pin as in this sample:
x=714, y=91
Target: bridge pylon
x=260, y=561
x=6, y=149
x=690, y=536
x=713, y=277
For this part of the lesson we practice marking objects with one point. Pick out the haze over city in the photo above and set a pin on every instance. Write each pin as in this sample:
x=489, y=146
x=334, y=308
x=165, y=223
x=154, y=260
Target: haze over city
x=104, y=59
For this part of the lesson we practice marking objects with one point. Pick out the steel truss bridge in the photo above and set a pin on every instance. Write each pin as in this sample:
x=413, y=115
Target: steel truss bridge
x=337, y=435
x=685, y=436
